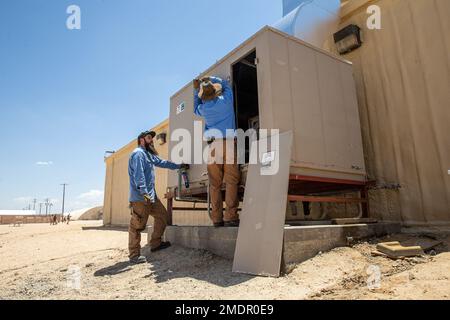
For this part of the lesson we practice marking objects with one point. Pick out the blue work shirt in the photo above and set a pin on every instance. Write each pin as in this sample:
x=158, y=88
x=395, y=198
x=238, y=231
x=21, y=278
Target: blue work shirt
x=219, y=112
x=141, y=169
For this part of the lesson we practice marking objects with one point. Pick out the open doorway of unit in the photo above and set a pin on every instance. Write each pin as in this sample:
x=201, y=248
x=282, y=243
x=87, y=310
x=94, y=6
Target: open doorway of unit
x=245, y=89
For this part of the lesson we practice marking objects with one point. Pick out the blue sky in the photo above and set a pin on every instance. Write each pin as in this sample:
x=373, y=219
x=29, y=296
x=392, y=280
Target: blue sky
x=66, y=96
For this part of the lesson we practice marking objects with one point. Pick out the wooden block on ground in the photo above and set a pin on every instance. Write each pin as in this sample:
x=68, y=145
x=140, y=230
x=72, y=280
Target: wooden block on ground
x=342, y=221
x=396, y=250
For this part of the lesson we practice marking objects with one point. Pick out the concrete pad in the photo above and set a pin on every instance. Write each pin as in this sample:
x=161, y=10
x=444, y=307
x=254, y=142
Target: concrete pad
x=300, y=242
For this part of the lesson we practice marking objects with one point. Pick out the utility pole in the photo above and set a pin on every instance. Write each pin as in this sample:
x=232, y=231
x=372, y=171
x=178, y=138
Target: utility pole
x=50, y=205
x=64, y=198
x=40, y=208
x=34, y=204
x=47, y=202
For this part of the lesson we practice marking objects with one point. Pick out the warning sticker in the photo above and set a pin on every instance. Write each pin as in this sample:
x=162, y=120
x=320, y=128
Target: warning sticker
x=180, y=108
x=267, y=158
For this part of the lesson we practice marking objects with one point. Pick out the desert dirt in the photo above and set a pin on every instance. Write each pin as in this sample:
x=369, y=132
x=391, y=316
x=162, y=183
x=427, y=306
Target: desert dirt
x=39, y=261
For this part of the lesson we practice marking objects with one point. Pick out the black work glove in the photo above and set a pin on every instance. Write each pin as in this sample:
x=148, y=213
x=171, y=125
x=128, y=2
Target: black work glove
x=184, y=166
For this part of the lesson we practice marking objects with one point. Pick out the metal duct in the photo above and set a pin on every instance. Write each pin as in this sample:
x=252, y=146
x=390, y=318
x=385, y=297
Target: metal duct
x=313, y=21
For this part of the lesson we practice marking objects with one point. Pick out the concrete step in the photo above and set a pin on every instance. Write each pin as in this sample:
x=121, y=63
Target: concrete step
x=300, y=242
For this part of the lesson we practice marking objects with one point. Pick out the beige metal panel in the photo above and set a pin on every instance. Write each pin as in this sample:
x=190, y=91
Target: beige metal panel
x=281, y=86
x=265, y=90
x=307, y=114
x=260, y=237
x=181, y=120
x=333, y=112
x=402, y=75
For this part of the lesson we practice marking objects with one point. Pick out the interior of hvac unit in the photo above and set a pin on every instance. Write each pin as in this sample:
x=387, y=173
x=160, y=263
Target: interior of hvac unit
x=245, y=89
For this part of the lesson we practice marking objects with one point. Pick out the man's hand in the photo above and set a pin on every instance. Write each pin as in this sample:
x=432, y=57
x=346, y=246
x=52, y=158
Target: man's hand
x=196, y=84
x=147, y=198
x=205, y=79
x=184, y=166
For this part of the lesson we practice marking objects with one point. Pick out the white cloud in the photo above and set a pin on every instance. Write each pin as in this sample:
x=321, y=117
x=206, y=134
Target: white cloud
x=92, y=195
x=92, y=198
x=23, y=199
x=44, y=163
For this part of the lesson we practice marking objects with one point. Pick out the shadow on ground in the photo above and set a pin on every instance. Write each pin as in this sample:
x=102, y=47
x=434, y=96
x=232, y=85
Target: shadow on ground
x=105, y=228
x=115, y=269
x=177, y=262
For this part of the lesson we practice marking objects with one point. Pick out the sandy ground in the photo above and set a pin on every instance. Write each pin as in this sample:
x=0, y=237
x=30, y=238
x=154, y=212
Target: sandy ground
x=84, y=261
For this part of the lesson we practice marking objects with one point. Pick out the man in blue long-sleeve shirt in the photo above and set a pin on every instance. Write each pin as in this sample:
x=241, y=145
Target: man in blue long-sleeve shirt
x=213, y=100
x=143, y=198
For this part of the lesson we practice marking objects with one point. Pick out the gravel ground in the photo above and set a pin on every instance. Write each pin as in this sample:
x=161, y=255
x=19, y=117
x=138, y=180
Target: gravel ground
x=85, y=261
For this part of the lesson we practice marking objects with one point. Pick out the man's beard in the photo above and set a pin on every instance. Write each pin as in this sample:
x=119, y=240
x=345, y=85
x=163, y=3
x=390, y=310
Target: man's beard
x=150, y=148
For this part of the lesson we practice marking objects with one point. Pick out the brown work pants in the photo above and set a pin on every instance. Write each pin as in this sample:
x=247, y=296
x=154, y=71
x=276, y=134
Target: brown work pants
x=140, y=211
x=220, y=170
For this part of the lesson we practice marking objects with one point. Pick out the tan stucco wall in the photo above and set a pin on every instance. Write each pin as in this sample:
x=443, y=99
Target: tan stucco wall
x=402, y=74
x=116, y=210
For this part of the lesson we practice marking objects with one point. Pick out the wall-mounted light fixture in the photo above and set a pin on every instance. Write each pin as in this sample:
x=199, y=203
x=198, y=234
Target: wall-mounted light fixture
x=161, y=138
x=348, y=39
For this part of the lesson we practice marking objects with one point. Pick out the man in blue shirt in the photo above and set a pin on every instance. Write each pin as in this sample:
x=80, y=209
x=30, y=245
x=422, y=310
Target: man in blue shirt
x=213, y=100
x=143, y=198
